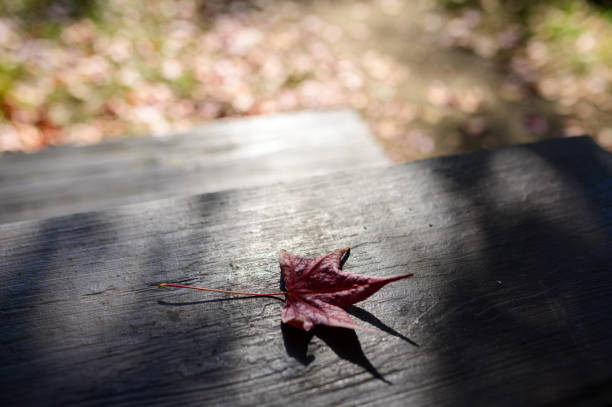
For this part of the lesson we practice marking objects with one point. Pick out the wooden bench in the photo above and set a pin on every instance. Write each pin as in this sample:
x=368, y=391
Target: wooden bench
x=226, y=154
x=510, y=304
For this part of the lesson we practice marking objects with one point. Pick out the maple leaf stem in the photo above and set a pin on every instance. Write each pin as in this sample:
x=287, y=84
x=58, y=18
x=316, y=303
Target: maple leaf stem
x=220, y=291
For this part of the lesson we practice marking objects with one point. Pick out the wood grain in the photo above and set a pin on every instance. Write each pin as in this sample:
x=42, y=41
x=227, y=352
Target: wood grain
x=510, y=303
x=223, y=155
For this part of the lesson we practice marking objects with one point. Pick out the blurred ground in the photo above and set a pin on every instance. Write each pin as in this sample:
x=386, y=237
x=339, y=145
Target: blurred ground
x=429, y=77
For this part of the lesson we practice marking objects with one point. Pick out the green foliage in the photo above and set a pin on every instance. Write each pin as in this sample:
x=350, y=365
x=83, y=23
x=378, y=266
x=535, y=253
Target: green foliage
x=46, y=9
x=184, y=84
x=561, y=26
x=9, y=74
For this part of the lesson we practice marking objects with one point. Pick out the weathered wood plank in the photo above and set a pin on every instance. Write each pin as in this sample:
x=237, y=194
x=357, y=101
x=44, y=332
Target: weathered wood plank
x=510, y=304
x=223, y=155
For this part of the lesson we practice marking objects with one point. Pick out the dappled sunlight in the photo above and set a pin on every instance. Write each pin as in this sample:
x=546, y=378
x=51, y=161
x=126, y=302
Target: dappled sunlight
x=430, y=78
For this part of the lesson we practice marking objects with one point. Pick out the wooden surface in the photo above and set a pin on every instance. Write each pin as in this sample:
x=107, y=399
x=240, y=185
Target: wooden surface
x=226, y=154
x=510, y=304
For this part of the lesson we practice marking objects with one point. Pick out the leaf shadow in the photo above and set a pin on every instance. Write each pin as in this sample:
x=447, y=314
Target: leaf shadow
x=365, y=316
x=296, y=343
x=344, y=342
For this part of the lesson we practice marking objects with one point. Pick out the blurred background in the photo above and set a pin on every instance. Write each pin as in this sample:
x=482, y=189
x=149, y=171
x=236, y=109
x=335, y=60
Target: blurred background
x=430, y=77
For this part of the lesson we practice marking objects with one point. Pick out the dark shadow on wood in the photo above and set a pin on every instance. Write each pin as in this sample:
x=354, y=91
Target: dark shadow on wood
x=537, y=277
x=346, y=345
x=17, y=356
x=23, y=358
x=296, y=343
x=344, y=342
x=371, y=319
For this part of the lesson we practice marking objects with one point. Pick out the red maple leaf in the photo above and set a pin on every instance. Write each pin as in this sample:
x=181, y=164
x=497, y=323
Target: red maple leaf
x=316, y=290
